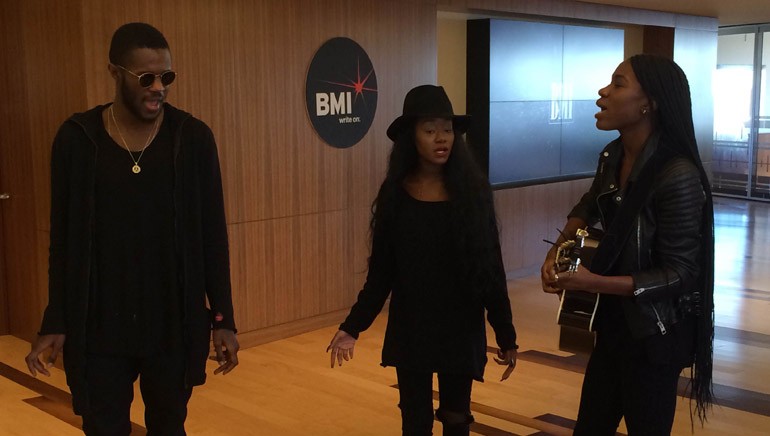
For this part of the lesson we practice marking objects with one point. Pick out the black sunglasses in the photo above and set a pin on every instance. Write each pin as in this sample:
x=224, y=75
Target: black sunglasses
x=147, y=79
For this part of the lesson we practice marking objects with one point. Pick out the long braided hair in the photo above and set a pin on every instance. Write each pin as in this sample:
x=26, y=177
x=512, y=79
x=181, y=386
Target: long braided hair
x=470, y=197
x=666, y=85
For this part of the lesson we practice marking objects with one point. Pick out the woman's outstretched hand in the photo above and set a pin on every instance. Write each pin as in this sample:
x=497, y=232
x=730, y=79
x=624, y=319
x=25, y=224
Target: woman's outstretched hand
x=341, y=347
x=43, y=342
x=507, y=357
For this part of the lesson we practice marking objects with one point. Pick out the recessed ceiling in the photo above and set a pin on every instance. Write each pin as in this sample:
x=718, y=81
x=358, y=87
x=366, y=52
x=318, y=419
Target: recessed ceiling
x=729, y=12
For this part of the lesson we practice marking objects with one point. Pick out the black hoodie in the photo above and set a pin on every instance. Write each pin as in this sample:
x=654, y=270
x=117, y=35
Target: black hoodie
x=200, y=240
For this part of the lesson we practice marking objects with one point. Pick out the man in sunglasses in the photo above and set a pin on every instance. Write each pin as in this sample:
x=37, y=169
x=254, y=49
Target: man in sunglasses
x=138, y=248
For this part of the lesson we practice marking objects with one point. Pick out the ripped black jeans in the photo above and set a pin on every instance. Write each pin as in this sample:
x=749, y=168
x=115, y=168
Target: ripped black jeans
x=416, y=403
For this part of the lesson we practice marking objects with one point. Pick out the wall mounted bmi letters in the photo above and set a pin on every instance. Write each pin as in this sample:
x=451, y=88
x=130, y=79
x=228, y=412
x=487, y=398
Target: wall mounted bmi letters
x=341, y=92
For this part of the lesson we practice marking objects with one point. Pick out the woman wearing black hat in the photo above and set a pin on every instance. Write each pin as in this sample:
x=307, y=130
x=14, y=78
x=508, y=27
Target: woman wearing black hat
x=436, y=252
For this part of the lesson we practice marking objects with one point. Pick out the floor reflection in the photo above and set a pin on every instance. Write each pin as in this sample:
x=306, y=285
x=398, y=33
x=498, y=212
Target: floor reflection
x=742, y=258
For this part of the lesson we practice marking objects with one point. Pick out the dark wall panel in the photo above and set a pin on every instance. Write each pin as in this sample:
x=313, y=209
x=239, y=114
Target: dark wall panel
x=542, y=83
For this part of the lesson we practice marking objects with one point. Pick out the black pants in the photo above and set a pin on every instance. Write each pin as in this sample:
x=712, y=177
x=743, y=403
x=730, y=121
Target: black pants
x=416, y=403
x=621, y=381
x=111, y=390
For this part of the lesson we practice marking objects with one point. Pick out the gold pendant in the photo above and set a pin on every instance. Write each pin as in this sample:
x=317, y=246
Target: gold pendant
x=136, y=169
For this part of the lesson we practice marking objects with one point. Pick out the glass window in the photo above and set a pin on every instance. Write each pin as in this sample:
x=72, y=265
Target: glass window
x=732, y=88
x=761, y=180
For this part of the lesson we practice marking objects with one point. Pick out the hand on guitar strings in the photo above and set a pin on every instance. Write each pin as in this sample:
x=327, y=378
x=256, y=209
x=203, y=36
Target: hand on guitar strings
x=548, y=275
x=580, y=279
x=562, y=269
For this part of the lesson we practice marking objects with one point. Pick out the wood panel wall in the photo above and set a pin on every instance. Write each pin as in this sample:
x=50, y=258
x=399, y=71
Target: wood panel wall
x=41, y=81
x=12, y=88
x=530, y=214
x=297, y=209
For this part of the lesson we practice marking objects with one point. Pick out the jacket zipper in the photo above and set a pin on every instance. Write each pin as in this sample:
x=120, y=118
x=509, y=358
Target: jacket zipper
x=660, y=324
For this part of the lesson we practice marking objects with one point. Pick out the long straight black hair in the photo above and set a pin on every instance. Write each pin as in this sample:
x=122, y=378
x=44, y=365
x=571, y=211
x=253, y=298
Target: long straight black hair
x=667, y=87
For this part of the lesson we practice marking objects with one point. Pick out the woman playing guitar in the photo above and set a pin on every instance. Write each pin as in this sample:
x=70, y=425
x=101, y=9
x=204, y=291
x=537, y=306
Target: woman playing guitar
x=654, y=266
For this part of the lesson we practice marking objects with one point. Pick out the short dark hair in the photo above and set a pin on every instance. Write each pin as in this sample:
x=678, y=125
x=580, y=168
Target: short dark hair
x=131, y=36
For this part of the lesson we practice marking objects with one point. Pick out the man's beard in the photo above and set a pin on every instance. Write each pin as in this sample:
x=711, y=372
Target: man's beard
x=129, y=101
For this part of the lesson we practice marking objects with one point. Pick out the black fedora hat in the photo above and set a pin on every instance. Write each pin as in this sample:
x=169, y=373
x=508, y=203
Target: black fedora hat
x=426, y=101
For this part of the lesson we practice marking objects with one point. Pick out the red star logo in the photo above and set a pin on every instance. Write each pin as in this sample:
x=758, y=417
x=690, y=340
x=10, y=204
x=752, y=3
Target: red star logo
x=358, y=85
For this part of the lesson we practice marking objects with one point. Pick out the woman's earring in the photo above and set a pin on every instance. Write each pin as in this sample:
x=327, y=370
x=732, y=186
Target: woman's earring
x=644, y=111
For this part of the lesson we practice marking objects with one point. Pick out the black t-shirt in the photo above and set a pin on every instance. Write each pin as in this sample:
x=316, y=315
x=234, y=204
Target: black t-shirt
x=436, y=318
x=135, y=301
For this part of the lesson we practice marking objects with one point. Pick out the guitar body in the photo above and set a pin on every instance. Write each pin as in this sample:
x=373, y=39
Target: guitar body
x=578, y=308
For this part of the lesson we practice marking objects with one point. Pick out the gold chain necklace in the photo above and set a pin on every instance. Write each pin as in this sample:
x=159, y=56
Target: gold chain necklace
x=136, y=168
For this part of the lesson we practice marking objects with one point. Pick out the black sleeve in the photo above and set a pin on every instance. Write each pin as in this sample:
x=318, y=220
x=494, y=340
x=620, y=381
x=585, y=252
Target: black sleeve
x=587, y=208
x=215, y=244
x=496, y=299
x=376, y=289
x=678, y=201
x=54, y=321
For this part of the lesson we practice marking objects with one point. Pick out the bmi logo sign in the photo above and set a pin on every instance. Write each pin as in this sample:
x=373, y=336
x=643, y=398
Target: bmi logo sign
x=341, y=92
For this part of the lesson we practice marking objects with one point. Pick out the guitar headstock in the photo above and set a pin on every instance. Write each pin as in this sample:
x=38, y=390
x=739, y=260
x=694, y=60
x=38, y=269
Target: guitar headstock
x=568, y=252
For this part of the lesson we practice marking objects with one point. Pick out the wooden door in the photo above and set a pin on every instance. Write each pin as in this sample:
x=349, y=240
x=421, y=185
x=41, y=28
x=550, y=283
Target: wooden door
x=21, y=296
x=3, y=295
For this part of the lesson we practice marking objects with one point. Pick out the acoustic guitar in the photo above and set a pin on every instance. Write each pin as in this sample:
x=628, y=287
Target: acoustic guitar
x=578, y=308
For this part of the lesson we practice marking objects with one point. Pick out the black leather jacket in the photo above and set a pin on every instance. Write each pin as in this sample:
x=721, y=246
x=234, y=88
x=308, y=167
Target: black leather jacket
x=663, y=252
